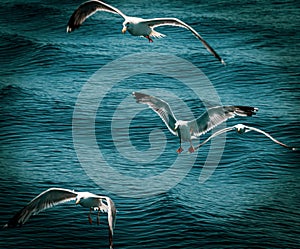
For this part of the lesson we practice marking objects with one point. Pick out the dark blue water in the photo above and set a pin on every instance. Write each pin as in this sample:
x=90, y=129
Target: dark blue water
x=252, y=199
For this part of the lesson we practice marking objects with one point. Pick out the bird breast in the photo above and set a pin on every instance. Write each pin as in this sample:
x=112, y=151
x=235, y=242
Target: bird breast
x=90, y=202
x=184, y=131
x=139, y=29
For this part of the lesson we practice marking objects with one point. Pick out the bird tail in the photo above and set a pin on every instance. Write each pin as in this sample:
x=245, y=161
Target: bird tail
x=156, y=34
x=245, y=110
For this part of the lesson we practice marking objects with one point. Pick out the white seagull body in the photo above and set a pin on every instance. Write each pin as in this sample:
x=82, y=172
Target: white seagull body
x=188, y=130
x=134, y=25
x=55, y=196
x=240, y=128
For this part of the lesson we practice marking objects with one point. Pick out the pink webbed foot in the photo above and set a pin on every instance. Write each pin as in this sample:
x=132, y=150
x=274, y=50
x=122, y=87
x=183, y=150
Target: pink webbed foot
x=179, y=150
x=149, y=39
x=191, y=149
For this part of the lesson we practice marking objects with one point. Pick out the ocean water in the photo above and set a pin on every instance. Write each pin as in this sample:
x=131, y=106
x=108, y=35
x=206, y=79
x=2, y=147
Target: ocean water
x=251, y=199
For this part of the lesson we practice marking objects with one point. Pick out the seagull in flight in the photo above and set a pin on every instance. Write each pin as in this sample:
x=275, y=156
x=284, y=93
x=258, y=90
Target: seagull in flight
x=240, y=128
x=188, y=130
x=55, y=196
x=134, y=25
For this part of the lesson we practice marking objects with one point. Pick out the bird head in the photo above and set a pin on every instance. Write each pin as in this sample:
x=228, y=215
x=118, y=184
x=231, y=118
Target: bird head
x=78, y=199
x=179, y=123
x=125, y=27
x=176, y=126
x=83, y=198
x=240, y=128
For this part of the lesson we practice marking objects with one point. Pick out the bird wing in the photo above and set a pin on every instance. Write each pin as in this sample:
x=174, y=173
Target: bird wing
x=111, y=211
x=111, y=217
x=47, y=199
x=156, y=22
x=161, y=107
x=269, y=136
x=87, y=9
x=217, y=115
x=217, y=133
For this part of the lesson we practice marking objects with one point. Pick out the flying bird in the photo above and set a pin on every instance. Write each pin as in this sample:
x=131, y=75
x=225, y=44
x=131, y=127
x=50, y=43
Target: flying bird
x=55, y=196
x=240, y=128
x=188, y=130
x=134, y=25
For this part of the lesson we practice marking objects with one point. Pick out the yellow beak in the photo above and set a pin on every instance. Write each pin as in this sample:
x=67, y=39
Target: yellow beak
x=124, y=30
x=77, y=201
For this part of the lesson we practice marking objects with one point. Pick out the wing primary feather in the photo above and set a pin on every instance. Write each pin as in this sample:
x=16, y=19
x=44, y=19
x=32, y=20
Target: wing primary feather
x=87, y=9
x=270, y=137
x=45, y=200
x=216, y=115
x=156, y=22
x=240, y=128
x=111, y=217
x=159, y=106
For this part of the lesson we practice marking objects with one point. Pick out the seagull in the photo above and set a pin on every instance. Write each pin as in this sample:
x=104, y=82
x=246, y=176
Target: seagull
x=134, y=25
x=188, y=130
x=240, y=128
x=55, y=196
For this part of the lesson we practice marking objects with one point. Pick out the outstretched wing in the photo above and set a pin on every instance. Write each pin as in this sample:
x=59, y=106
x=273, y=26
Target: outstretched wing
x=269, y=136
x=240, y=128
x=156, y=22
x=161, y=107
x=217, y=115
x=46, y=199
x=217, y=133
x=111, y=217
x=111, y=211
x=87, y=9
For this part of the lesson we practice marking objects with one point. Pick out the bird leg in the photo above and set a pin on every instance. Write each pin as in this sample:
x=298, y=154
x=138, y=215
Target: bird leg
x=98, y=217
x=191, y=149
x=179, y=150
x=89, y=216
x=148, y=37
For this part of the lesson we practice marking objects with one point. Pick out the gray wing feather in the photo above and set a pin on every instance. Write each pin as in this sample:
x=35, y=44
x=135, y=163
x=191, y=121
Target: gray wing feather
x=156, y=22
x=217, y=115
x=159, y=106
x=87, y=9
x=46, y=199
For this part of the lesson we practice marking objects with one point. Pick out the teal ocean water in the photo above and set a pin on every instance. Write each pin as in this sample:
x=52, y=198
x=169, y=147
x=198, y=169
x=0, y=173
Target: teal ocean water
x=252, y=198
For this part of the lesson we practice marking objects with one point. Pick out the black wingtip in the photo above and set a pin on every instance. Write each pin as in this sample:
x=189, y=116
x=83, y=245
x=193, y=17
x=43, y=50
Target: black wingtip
x=74, y=21
x=14, y=221
x=72, y=25
x=139, y=96
x=12, y=224
x=247, y=110
x=69, y=29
